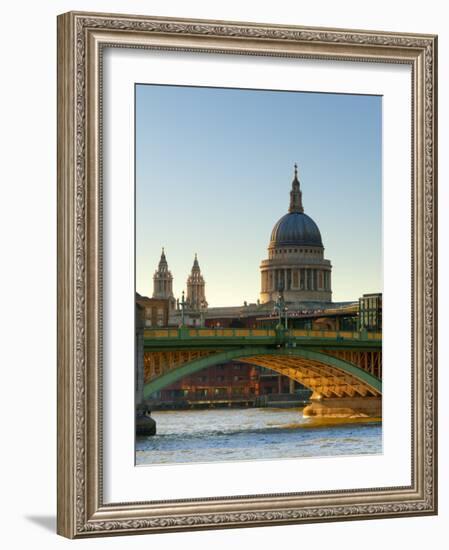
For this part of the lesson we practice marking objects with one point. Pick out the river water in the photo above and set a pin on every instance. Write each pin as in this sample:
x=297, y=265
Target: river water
x=247, y=434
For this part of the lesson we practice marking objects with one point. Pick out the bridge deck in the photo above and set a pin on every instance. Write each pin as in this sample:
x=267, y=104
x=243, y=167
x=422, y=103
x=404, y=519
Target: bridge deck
x=239, y=332
x=188, y=337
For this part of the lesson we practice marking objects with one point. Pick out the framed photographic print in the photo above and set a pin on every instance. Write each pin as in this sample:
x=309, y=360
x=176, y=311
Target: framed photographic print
x=247, y=274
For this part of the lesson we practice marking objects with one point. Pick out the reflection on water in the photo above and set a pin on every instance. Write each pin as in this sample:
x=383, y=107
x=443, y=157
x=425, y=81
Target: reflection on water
x=249, y=434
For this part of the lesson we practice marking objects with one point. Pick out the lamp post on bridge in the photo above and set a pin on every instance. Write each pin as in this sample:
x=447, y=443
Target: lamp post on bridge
x=203, y=309
x=281, y=308
x=183, y=304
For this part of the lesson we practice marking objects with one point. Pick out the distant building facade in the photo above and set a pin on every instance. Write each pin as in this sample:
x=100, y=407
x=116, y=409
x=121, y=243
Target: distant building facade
x=370, y=312
x=156, y=311
x=234, y=383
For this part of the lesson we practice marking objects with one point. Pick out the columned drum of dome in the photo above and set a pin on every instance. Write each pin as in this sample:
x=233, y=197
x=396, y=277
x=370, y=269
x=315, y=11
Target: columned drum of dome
x=296, y=265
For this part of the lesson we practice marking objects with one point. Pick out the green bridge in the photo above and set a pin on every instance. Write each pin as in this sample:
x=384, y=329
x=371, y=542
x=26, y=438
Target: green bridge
x=343, y=369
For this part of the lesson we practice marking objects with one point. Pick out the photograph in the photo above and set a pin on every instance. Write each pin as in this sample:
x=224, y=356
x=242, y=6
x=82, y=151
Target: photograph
x=258, y=274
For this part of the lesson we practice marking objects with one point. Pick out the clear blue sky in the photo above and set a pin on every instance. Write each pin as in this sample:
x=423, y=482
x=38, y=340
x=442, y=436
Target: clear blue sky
x=213, y=173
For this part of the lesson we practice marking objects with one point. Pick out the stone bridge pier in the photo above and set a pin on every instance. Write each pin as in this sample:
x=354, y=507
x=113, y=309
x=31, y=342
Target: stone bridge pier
x=343, y=407
x=145, y=425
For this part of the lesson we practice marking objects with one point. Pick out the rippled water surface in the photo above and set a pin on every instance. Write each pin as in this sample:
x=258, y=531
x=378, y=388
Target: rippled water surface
x=248, y=434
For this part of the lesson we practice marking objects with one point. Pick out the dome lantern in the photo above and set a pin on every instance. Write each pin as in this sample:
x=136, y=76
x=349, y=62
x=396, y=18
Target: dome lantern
x=296, y=194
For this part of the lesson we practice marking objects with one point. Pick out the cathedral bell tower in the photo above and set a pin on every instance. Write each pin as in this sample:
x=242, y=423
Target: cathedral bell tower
x=163, y=281
x=196, y=297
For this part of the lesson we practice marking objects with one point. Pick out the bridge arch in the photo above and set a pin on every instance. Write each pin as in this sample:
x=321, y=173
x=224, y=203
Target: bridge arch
x=326, y=375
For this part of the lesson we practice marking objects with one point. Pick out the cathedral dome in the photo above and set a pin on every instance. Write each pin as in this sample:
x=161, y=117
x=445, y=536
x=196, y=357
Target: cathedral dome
x=295, y=228
x=296, y=266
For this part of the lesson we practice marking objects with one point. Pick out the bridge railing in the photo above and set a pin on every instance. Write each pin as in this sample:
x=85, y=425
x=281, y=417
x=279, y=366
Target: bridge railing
x=208, y=332
x=187, y=332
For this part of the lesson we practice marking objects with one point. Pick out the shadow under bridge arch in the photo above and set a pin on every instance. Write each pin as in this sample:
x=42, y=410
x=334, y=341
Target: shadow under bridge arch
x=324, y=374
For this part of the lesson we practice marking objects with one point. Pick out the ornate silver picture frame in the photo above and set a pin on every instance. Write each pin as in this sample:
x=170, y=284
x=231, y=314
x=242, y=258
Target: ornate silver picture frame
x=82, y=40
